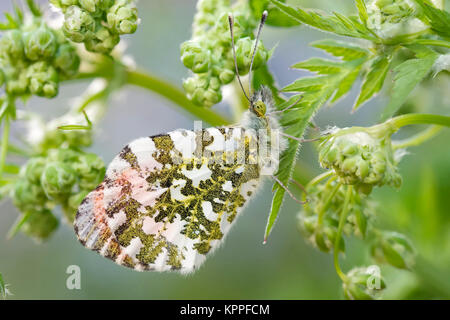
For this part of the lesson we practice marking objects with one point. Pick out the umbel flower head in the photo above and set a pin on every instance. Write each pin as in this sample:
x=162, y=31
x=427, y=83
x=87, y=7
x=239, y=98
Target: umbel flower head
x=360, y=156
x=209, y=54
x=98, y=23
x=393, y=18
x=319, y=218
x=61, y=177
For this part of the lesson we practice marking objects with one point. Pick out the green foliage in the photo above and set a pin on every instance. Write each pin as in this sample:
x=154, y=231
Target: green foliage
x=337, y=23
x=374, y=79
x=438, y=19
x=407, y=75
x=405, y=39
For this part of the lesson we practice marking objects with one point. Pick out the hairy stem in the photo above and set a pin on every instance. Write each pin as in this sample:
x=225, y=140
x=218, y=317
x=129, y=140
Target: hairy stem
x=417, y=139
x=337, y=243
x=419, y=118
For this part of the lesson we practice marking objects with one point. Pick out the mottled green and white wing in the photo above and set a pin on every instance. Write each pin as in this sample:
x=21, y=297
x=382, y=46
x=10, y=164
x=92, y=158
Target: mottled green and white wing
x=161, y=206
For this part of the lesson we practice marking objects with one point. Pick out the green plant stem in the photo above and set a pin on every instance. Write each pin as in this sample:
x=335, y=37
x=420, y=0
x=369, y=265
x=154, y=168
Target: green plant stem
x=433, y=42
x=327, y=203
x=418, y=138
x=337, y=243
x=320, y=178
x=5, y=140
x=175, y=95
x=167, y=90
x=419, y=118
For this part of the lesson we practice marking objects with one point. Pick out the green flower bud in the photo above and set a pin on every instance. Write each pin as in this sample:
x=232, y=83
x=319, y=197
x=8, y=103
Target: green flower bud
x=11, y=45
x=189, y=49
x=43, y=80
x=34, y=168
x=40, y=43
x=40, y=224
x=392, y=18
x=79, y=25
x=57, y=179
x=363, y=283
x=91, y=170
x=395, y=249
x=189, y=85
x=103, y=41
x=67, y=60
x=360, y=159
x=63, y=155
x=18, y=84
x=122, y=17
x=28, y=196
x=226, y=76
x=244, y=50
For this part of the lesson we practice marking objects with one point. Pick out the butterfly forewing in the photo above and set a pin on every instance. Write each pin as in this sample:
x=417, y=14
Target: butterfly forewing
x=169, y=200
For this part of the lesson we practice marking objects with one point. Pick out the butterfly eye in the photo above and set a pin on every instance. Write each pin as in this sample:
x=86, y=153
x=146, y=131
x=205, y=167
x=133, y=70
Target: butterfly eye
x=259, y=108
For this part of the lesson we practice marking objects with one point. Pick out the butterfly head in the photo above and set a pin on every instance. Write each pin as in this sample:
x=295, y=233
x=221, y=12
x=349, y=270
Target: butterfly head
x=259, y=108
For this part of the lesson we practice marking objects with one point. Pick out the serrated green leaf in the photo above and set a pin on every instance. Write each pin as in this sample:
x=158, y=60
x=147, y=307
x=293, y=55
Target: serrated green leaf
x=276, y=17
x=344, y=50
x=347, y=82
x=307, y=84
x=362, y=10
x=295, y=122
x=337, y=24
x=407, y=75
x=438, y=19
x=373, y=82
x=321, y=66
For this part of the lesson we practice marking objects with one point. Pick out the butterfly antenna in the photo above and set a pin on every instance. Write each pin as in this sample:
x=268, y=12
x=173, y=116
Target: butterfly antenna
x=261, y=24
x=231, y=22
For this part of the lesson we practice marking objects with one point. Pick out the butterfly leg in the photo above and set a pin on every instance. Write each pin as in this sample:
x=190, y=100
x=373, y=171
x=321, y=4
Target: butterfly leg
x=298, y=139
x=287, y=108
x=287, y=190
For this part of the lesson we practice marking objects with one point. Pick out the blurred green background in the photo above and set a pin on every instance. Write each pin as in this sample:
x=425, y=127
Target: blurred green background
x=243, y=268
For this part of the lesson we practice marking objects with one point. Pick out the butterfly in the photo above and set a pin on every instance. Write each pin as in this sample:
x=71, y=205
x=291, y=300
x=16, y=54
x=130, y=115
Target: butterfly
x=168, y=201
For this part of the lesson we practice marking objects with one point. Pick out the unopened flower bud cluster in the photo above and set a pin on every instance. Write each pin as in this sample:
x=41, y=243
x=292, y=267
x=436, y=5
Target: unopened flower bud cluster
x=34, y=58
x=360, y=158
x=62, y=177
x=98, y=23
x=319, y=220
x=209, y=53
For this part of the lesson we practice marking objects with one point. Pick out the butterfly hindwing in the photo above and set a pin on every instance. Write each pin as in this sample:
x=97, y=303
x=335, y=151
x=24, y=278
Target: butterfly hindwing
x=164, y=205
